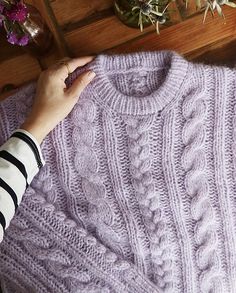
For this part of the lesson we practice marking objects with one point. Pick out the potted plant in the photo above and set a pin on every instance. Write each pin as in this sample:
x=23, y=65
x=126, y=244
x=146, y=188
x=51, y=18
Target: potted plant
x=143, y=13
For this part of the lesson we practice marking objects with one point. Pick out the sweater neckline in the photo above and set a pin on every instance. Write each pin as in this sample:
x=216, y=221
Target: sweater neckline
x=107, y=94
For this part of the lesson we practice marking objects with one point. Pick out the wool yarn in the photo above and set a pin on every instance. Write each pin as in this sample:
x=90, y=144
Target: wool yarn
x=138, y=193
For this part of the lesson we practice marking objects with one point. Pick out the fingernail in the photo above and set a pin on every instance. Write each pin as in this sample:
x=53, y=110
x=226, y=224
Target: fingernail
x=91, y=74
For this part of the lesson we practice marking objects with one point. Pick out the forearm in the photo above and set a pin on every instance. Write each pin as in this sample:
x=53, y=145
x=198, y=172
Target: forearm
x=20, y=161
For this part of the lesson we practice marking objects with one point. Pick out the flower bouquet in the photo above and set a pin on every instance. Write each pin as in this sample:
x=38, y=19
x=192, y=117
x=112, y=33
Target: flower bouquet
x=13, y=14
x=24, y=26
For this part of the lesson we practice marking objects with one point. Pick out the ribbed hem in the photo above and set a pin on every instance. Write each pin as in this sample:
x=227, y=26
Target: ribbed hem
x=176, y=69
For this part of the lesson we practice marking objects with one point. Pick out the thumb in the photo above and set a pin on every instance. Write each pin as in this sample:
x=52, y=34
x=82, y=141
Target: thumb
x=80, y=83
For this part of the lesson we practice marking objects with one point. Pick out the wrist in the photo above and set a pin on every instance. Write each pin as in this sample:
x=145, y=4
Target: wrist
x=37, y=128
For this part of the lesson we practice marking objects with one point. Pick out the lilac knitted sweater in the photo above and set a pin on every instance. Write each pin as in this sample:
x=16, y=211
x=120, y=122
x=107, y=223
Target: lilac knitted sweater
x=138, y=193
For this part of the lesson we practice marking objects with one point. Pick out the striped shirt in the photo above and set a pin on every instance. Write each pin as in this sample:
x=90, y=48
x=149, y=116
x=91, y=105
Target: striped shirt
x=20, y=161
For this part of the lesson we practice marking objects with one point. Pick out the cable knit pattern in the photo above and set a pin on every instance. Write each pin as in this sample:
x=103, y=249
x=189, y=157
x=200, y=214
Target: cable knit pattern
x=141, y=163
x=138, y=191
x=83, y=137
x=197, y=186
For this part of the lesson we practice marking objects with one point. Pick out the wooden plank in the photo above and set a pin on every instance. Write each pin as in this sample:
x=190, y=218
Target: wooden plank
x=220, y=53
x=18, y=70
x=102, y=35
x=187, y=36
x=50, y=58
x=74, y=11
x=7, y=50
x=45, y=9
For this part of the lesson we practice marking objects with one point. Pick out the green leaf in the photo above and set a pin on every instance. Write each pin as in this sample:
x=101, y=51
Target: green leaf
x=157, y=13
x=118, y=8
x=140, y=21
x=151, y=20
x=212, y=10
x=157, y=28
x=198, y=4
x=219, y=10
x=231, y=4
x=205, y=13
x=135, y=7
x=165, y=8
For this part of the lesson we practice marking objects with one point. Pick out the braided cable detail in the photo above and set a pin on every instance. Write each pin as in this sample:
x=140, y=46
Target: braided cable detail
x=100, y=214
x=86, y=164
x=194, y=163
x=234, y=141
x=57, y=261
x=140, y=168
x=110, y=257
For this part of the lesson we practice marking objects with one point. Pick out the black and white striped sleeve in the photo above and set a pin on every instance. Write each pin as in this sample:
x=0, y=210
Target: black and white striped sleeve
x=20, y=160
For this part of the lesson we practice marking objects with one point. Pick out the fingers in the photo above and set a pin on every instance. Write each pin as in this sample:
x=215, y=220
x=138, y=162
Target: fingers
x=63, y=70
x=80, y=83
x=80, y=61
x=59, y=63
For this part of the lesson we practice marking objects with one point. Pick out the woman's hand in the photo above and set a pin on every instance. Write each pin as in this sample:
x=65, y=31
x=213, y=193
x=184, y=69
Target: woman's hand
x=53, y=102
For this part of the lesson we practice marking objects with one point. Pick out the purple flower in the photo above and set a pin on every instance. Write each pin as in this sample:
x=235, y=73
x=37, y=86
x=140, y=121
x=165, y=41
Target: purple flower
x=18, y=12
x=23, y=41
x=12, y=38
x=1, y=8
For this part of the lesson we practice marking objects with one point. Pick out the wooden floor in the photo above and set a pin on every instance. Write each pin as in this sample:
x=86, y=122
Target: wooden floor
x=82, y=27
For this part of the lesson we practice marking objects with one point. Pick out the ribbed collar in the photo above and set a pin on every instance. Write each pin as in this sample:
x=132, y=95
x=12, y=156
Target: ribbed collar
x=108, y=95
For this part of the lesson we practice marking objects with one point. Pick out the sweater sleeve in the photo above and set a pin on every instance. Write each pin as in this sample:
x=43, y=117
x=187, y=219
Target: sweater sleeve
x=20, y=161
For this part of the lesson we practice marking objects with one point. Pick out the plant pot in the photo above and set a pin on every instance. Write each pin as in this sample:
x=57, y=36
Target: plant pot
x=123, y=10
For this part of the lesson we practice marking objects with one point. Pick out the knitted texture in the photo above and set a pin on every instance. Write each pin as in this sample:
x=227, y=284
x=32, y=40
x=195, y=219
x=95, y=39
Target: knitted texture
x=138, y=193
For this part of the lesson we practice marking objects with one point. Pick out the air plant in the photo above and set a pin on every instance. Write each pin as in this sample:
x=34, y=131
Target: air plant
x=12, y=16
x=216, y=5
x=155, y=12
x=151, y=10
